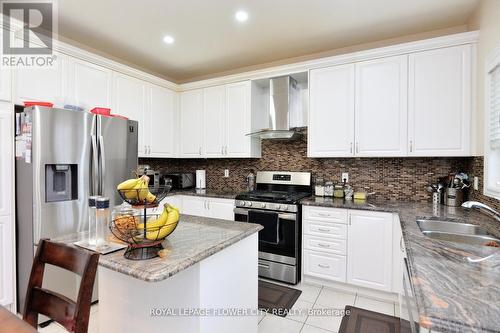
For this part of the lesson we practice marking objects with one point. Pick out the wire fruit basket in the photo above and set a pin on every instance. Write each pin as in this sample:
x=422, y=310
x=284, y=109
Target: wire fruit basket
x=148, y=197
x=143, y=233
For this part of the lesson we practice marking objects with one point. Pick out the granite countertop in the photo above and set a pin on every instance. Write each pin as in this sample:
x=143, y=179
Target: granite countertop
x=205, y=193
x=452, y=293
x=194, y=239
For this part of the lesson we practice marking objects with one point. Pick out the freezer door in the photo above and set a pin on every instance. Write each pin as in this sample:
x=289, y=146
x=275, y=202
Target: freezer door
x=117, y=141
x=61, y=150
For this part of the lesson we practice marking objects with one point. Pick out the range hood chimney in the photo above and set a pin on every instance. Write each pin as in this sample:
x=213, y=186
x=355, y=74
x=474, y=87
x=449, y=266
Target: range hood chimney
x=284, y=108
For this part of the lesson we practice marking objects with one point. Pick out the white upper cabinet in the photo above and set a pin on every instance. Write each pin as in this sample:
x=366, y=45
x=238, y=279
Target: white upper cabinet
x=191, y=124
x=381, y=107
x=214, y=106
x=130, y=101
x=159, y=126
x=42, y=84
x=239, y=119
x=440, y=102
x=331, y=112
x=369, y=250
x=90, y=85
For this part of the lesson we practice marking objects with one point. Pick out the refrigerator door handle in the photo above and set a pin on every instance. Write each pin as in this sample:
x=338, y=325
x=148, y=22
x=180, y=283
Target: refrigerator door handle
x=103, y=165
x=94, y=169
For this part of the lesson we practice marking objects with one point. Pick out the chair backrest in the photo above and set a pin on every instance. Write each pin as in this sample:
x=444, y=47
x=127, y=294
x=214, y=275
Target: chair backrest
x=74, y=316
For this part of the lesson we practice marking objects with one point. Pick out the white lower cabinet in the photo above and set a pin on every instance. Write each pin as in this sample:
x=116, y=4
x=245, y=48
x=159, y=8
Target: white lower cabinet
x=217, y=208
x=326, y=266
x=369, y=250
x=6, y=261
x=350, y=246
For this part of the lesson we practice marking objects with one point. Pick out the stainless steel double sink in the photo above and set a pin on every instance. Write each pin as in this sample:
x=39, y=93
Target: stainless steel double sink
x=456, y=232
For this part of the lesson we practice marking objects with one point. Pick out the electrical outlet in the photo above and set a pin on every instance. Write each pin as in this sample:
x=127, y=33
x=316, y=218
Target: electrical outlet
x=345, y=176
x=476, y=183
x=226, y=173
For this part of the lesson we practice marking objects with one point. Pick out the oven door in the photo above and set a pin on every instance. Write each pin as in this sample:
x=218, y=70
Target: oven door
x=278, y=241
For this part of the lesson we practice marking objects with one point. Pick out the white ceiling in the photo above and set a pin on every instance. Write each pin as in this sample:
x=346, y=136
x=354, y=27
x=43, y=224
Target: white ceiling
x=208, y=40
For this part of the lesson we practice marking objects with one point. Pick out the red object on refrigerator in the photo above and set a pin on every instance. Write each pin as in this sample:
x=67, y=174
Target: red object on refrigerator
x=38, y=103
x=101, y=111
x=118, y=116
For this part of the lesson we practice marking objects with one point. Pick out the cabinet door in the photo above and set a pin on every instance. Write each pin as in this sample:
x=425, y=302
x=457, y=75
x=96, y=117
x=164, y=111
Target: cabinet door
x=6, y=261
x=191, y=124
x=130, y=101
x=7, y=160
x=195, y=206
x=42, y=84
x=160, y=132
x=440, y=102
x=369, y=250
x=238, y=119
x=326, y=266
x=381, y=107
x=90, y=84
x=331, y=112
x=221, y=209
x=214, y=101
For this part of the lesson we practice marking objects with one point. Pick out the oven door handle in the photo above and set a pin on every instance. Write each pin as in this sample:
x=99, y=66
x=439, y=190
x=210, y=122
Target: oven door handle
x=281, y=216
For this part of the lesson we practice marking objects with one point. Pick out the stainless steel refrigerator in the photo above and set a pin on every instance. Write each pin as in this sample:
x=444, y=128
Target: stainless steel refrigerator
x=62, y=157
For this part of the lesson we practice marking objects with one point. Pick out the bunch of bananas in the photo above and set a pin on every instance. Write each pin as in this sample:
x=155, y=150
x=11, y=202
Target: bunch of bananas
x=163, y=225
x=137, y=189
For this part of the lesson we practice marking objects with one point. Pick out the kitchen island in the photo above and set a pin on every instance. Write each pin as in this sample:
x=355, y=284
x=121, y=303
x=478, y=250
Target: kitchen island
x=207, y=282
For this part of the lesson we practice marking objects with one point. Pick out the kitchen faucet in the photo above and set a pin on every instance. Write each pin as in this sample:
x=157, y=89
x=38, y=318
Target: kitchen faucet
x=481, y=206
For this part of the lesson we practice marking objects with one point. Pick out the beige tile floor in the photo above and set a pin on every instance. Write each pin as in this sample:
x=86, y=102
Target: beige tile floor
x=312, y=297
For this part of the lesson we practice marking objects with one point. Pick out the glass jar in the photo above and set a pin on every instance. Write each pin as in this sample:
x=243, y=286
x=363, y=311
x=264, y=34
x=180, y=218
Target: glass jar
x=319, y=187
x=92, y=222
x=103, y=217
x=329, y=189
x=338, y=191
x=348, y=192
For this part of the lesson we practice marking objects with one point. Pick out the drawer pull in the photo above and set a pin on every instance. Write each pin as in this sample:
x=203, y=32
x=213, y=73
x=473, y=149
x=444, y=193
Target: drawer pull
x=323, y=230
x=324, y=214
x=323, y=245
x=323, y=266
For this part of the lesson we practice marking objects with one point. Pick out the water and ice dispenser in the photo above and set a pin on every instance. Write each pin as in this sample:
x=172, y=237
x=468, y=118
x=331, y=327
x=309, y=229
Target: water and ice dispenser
x=61, y=182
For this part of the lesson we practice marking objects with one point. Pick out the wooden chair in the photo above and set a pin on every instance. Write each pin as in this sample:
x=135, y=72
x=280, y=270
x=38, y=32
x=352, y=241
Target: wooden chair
x=74, y=316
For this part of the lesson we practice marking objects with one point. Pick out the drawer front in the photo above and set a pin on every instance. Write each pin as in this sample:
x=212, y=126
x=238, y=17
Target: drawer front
x=322, y=229
x=325, y=214
x=335, y=246
x=326, y=266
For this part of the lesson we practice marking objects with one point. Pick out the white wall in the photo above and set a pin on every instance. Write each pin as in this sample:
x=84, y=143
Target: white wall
x=487, y=20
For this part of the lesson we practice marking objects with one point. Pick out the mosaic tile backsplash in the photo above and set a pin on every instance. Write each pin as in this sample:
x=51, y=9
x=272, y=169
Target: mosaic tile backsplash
x=390, y=178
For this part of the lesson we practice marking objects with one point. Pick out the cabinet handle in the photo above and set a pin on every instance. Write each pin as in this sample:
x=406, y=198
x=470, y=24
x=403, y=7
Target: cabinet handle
x=208, y=205
x=323, y=245
x=323, y=266
x=351, y=147
x=145, y=149
x=199, y=151
x=357, y=147
x=401, y=246
x=149, y=150
x=225, y=150
x=411, y=146
x=222, y=150
x=323, y=230
x=324, y=214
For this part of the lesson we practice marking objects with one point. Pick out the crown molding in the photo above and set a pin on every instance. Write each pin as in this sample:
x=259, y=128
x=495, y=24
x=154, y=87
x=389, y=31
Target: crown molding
x=304, y=66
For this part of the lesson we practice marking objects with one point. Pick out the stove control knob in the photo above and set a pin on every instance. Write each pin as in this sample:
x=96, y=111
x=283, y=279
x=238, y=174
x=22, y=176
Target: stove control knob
x=263, y=205
x=278, y=206
x=241, y=203
x=284, y=207
x=249, y=204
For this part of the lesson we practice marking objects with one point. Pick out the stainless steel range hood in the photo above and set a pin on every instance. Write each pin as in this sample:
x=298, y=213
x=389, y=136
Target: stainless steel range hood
x=284, y=107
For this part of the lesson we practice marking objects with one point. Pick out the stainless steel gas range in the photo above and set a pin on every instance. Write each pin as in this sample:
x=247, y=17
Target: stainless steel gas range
x=275, y=205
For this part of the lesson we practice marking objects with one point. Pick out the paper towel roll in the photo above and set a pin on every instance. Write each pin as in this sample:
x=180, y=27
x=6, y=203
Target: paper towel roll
x=201, y=178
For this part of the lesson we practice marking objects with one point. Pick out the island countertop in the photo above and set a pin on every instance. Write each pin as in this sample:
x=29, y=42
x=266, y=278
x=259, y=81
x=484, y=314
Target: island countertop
x=194, y=239
x=455, y=289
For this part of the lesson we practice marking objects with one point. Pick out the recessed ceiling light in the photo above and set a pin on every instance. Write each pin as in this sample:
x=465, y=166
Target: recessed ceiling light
x=241, y=15
x=169, y=39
